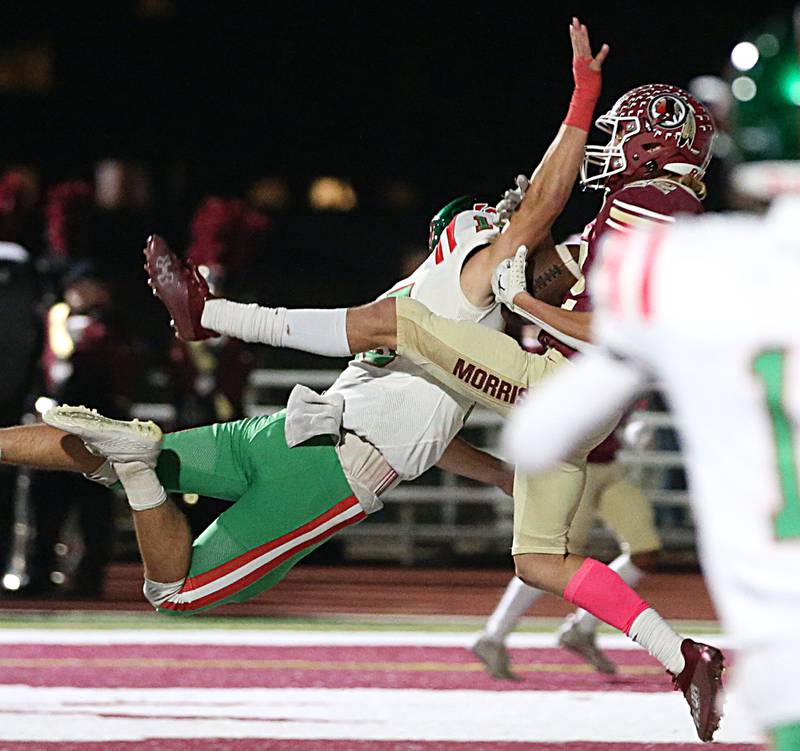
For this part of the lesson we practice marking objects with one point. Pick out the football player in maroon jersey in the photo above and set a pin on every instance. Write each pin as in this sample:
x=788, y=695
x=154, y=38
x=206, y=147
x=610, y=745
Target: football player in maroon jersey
x=552, y=566
x=652, y=169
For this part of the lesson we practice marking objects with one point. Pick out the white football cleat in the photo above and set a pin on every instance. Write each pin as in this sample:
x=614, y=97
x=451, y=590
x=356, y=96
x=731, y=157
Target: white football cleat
x=118, y=440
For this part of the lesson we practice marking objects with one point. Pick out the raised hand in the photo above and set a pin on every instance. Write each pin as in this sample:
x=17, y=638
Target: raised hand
x=581, y=47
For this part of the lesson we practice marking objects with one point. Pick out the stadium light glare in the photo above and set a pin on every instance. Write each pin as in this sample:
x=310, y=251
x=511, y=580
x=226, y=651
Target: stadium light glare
x=12, y=582
x=744, y=56
x=791, y=85
x=332, y=194
x=768, y=45
x=43, y=404
x=744, y=88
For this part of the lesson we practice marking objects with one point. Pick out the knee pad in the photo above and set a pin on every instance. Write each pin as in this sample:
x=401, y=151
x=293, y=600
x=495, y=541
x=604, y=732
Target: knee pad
x=157, y=593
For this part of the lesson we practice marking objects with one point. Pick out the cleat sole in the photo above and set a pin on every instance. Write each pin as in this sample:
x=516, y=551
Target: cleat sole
x=83, y=422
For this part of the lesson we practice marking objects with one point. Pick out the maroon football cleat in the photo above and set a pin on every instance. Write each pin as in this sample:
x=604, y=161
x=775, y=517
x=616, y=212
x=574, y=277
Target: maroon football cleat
x=180, y=286
x=700, y=682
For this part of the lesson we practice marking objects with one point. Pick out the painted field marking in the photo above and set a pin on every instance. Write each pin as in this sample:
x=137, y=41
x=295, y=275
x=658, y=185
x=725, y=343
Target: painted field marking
x=79, y=714
x=136, y=663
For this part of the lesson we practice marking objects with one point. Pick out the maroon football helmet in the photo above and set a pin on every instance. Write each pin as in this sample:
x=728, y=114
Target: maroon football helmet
x=654, y=129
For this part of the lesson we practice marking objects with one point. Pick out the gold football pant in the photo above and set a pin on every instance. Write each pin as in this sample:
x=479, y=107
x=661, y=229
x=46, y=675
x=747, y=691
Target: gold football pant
x=491, y=369
x=620, y=504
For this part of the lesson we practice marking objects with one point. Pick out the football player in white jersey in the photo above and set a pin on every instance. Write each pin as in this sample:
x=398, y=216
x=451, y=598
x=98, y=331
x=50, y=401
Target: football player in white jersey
x=487, y=367
x=541, y=523
x=675, y=132
x=385, y=419
x=732, y=377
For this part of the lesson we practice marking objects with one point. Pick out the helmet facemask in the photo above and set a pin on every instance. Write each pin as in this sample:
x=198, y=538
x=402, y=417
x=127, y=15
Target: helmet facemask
x=601, y=162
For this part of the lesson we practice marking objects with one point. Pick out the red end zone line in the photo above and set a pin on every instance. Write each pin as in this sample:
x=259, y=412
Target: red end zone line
x=266, y=744
x=200, y=666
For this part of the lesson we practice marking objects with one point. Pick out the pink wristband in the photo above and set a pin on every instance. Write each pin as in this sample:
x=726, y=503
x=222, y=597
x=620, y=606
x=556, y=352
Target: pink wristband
x=585, y=95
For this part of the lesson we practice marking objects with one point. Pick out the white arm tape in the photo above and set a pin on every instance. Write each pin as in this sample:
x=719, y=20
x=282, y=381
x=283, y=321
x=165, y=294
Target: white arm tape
x=104, y=475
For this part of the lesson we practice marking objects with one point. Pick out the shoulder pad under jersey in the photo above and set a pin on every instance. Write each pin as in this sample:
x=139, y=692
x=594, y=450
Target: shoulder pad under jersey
x=648, y=203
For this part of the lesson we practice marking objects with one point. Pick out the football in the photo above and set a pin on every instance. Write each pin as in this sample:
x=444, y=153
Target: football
x=548, y=277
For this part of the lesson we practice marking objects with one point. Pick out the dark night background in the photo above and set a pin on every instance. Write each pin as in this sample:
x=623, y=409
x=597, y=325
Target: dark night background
x=447, y=97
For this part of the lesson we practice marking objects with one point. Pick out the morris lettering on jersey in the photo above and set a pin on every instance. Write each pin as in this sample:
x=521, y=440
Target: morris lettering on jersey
x=490, y=384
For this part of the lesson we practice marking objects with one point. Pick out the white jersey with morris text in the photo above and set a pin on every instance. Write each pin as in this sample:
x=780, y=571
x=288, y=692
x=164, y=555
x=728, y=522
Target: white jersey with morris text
x=409, y=416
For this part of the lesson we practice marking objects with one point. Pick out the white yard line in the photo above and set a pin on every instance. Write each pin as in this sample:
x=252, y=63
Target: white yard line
x=288, y=638
x=80, y=714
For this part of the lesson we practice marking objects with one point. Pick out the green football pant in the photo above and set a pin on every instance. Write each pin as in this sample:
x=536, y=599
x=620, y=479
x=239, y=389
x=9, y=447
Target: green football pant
x=287, y=502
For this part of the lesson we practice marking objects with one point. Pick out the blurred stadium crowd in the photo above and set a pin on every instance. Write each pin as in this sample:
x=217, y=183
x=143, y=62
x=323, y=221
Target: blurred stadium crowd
x=66, y=334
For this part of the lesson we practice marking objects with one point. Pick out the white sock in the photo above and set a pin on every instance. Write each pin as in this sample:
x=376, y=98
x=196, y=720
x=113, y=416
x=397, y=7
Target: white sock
x=142, y=486
x=319, y=331
x=629, y=573
x=515, y=601
x=651, y=631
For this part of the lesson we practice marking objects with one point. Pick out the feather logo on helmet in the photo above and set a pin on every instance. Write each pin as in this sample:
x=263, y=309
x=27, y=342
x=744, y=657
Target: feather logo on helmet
x=669, y=112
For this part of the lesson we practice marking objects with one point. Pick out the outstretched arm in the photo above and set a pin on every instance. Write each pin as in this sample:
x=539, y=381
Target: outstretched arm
x=464, y=459
x=574, y=323
x=552, y=180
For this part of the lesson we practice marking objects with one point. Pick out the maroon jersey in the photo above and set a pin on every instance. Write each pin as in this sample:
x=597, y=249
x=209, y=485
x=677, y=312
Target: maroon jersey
x=642, y=204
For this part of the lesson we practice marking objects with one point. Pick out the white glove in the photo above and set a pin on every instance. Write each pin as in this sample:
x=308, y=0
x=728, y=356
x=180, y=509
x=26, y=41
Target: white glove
x=104, y=475
x=508, y=279
x=511, y=199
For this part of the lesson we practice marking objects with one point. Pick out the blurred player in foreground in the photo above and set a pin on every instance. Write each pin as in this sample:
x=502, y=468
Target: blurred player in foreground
x=732, y=376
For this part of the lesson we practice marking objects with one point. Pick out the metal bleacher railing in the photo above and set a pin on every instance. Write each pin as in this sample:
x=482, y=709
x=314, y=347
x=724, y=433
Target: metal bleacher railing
x=441, y=517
